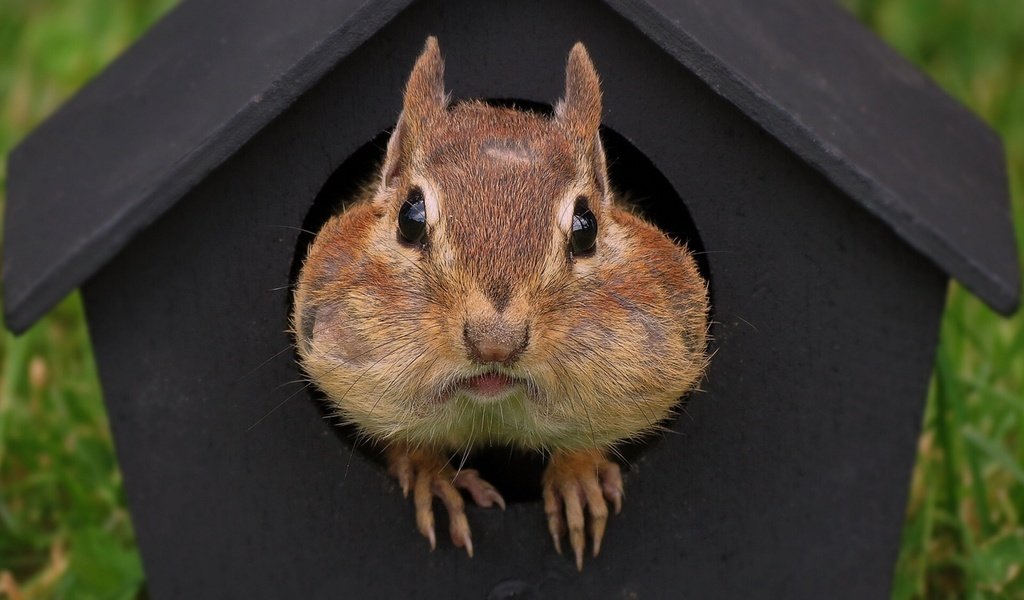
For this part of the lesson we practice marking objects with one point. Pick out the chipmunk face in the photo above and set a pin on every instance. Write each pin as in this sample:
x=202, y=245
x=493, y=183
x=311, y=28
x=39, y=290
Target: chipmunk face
x=490, y=291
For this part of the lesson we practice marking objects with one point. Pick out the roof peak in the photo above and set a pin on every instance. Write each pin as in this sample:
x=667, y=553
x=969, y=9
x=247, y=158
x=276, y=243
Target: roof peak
x=805, y=71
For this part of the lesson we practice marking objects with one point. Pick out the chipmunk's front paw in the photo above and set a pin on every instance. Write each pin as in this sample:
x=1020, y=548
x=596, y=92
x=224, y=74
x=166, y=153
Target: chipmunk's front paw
x=428, y=474
x=572, y=481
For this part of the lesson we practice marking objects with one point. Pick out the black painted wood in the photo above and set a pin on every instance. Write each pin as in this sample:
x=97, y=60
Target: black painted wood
x=215, y=72
x=786, y=478
x=872, y=123
x=154, y=124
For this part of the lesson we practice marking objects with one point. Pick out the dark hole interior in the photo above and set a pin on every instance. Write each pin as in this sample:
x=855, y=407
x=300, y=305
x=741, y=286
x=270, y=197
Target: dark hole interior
x=515, y=473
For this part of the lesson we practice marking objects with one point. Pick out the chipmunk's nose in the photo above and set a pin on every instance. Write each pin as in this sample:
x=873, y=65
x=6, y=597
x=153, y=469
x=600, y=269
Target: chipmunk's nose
x=495, y=340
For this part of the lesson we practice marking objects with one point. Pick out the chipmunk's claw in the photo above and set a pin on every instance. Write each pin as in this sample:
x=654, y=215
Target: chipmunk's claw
x=401, y=469
x=553, y=509
x=484, y=494
x=430, y=476
x=611, y=484
x=575, y=483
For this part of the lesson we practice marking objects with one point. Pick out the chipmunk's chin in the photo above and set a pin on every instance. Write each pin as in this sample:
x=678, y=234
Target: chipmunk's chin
x=491, y=386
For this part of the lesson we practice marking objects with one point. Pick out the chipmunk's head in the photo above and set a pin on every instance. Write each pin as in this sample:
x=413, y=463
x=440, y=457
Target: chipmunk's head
x=498, y=202
x=487, y=267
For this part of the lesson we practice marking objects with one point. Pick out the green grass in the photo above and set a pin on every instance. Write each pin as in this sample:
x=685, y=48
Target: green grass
x=64, y=531
x=964, y=533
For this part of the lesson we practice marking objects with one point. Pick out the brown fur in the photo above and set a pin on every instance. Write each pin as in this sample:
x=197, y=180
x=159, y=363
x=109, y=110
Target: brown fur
x=614, y=338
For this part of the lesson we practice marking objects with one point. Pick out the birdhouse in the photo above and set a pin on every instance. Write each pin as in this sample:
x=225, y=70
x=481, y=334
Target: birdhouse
x=830, y=189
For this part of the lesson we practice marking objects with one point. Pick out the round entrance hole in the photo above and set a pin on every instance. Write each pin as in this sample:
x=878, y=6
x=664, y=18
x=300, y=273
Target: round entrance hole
x=516, y=474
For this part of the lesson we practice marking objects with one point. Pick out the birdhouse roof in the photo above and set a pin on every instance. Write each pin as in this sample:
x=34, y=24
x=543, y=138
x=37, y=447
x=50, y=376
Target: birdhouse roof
x=212, y=73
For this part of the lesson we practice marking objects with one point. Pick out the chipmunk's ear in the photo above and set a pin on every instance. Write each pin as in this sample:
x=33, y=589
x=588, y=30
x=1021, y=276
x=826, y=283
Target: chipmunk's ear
x=425, y=102
x=580, y=108
x=579, y=111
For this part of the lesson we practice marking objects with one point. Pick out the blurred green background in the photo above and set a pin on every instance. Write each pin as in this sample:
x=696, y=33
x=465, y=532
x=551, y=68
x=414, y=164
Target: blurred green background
x=64, y=529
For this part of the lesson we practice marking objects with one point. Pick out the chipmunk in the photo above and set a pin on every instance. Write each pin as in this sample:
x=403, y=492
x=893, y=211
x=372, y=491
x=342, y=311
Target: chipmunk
x=490, y=288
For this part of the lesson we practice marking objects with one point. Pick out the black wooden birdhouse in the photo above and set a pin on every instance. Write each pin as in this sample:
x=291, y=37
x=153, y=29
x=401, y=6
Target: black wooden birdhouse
x=831, y=189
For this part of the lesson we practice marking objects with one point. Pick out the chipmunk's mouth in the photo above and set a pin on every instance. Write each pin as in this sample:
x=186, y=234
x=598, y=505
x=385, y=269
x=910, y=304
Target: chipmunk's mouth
x=491, y=386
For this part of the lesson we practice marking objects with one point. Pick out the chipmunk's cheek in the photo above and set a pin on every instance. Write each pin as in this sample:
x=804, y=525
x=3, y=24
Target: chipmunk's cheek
x=644, y=329
x=333, y=337
x=306, y=324
x=652, y=330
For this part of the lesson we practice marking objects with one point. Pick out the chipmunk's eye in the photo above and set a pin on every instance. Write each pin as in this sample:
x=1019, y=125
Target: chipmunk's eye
x=412, y=217
x=584, y=229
